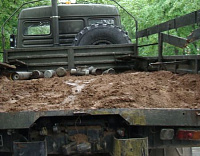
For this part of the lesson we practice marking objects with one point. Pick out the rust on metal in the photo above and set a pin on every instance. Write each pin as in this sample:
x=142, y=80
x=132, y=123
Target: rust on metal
x=194, y=36
x=130, y=147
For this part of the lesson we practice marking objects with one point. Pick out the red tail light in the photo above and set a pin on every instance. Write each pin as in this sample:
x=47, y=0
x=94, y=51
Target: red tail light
x=188, y=135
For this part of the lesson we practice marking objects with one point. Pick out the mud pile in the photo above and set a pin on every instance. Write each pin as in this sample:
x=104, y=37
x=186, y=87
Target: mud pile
x=126, y=90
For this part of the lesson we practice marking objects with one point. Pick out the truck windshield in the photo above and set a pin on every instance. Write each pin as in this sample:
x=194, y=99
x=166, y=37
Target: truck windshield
x=37, y=28
x=101, y=21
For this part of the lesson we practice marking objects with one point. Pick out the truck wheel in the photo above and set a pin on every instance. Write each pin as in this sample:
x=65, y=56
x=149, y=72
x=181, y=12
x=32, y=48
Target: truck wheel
x=101, y=34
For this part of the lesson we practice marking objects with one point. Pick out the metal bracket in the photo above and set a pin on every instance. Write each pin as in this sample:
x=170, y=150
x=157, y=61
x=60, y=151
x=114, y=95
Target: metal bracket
x=131, y=146
x=1, y=141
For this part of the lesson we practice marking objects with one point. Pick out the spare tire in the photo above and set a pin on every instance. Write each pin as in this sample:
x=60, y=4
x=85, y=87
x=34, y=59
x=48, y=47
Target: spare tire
x=101, y=34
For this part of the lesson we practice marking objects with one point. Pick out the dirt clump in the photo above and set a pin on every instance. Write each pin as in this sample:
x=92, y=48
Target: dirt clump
x=126, y=90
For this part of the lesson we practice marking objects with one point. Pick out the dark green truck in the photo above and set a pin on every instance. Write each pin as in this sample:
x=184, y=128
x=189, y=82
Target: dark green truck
x=90, y=35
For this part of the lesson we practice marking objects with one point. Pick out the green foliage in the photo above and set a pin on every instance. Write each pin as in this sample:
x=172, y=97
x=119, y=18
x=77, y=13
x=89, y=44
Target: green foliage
x=152, y=12
x=1, y=57
x=7, y=8
x=147, y=12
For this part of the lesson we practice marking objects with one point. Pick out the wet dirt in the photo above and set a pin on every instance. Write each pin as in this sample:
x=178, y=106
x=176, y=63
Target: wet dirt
x=126, y=90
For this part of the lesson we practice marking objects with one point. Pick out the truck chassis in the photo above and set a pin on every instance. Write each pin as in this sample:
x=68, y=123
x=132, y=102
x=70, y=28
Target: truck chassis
x=113, y=131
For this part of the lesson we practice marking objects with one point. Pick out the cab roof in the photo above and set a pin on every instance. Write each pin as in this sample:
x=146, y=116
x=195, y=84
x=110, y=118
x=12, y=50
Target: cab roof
x=70, y=10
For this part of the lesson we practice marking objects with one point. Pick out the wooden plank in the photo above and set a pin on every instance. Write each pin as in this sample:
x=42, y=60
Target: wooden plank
x=194, y=36
x=5, y=65
x=181, y=21
x=175, y=41
x=39, y=56
x=47, y=64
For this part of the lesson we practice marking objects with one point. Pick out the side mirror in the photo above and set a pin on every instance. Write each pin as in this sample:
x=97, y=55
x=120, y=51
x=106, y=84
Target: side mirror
x=12, y=41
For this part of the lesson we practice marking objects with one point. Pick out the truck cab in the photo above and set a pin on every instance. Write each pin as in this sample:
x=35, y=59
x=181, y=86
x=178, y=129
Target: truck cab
x=35, y=24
